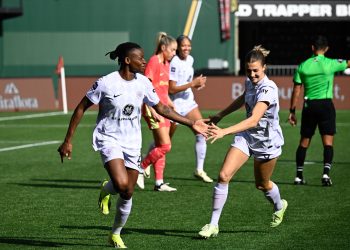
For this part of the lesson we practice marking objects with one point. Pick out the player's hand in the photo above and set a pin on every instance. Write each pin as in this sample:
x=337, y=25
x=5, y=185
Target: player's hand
x=199, y=82
x=157, y=117
x=201, y=126
x=292, y=119
x=214, y=133
x=214, y=119
x=65, y=150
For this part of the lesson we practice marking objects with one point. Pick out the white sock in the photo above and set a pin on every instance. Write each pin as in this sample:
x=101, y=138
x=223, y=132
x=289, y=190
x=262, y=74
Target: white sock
x=200, y=149
x=219, y=200
x=159, y=182
x=123, y=211
x=274, y=197
x=109, y=188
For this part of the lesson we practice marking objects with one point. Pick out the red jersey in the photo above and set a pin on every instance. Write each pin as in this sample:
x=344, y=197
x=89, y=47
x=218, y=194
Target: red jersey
x=158, y=73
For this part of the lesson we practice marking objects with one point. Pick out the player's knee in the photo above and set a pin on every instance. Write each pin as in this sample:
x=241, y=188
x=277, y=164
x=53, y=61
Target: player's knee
x=122, y=186
x=224, y=177
x=165, y=148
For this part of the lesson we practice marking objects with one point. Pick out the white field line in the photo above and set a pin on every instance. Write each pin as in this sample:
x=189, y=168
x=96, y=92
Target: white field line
x=44, y=125
x=9, y=118
x=29, y=145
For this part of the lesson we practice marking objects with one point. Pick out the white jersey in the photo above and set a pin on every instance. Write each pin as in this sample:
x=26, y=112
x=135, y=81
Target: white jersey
x=181, y=71
x=268, y=133
x=120, y=102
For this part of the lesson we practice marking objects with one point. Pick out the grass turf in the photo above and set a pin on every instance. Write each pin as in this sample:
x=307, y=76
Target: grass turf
x=48, y=205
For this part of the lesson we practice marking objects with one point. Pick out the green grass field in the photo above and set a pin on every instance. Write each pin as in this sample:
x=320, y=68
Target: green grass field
x=48, y=205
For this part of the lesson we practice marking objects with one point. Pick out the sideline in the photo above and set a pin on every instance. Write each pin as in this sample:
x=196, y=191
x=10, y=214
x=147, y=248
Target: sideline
x=29, y=145
x=9, y=118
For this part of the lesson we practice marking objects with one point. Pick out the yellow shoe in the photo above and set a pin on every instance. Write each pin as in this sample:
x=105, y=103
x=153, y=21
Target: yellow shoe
x=116, y=241
x=209, y=231
x=104, y=202
x=277, y=217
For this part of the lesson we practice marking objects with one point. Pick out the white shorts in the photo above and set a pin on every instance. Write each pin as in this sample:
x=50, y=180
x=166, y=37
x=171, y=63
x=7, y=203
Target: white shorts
x=116, y=152
x=241, y=143
x=184, y=108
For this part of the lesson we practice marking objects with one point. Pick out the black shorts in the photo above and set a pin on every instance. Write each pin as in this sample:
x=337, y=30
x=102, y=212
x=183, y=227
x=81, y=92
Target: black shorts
x=319, y=113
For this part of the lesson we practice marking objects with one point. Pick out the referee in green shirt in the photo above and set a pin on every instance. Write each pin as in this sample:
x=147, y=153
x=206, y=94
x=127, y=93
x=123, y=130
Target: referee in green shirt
x=316, y=74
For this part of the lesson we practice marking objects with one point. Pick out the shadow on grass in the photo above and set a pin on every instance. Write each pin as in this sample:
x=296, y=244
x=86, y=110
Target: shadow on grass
x=164, y=232
x=54, y=186
x=67, y=180
x=233, y=181
x=31, y=241
x=58, y=183
x=313, y=162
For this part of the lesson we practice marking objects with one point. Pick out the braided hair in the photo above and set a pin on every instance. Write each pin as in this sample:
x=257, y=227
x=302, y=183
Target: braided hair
x=122, y=51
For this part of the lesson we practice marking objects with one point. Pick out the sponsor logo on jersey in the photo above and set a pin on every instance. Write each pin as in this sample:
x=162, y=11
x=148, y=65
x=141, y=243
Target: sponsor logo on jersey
x=264, y=91
x=172, y=69
x=128, y=109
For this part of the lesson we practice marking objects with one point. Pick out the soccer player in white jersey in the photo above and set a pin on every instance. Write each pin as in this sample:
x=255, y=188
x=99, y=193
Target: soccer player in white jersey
x=117, y=135
x=259, y=135
x=180, y=89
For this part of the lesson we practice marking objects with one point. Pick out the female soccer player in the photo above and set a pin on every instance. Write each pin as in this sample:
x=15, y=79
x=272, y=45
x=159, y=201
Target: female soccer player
x=180, y=90
x=117, y=135
x=259, y=135
x=157, y=70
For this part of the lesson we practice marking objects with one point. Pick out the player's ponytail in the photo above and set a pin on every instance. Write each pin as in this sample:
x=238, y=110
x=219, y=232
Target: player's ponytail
x=163, y=39
x=258, y=53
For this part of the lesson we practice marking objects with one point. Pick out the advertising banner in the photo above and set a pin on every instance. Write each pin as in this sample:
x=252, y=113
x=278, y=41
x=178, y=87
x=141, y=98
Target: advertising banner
x=27, y=94
x=221, y=91
x=37, y=94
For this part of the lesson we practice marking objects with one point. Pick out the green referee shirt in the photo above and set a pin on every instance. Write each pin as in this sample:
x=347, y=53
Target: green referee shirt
x=317, y=75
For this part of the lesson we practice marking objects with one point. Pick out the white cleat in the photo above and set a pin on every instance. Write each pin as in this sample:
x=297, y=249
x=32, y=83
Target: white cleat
x=141, y=181
x=203, y=176
x=147, y=172
x=164, y=187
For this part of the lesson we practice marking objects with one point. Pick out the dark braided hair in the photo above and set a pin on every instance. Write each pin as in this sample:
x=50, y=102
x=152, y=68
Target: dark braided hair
x=122, y=51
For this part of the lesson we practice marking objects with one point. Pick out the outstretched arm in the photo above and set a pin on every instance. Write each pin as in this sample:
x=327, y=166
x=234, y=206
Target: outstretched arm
x=65, y=150
x=236, y=104
x=171, y=114
x=216, y=133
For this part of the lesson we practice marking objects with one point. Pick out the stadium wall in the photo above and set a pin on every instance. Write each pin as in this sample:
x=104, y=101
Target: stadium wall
x=21, y=94
x=82, y=31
